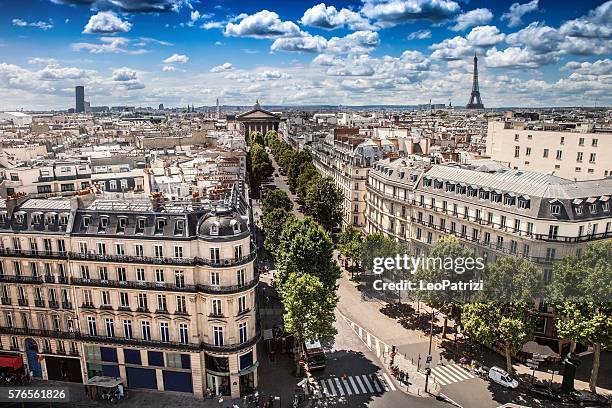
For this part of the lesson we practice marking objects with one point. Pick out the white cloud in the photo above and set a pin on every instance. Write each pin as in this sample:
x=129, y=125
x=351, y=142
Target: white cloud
x=393, y=12
x=537, y=36
x=212, y=24
x=178, y=58
x=106, y=22
x=223, y=67
x=109, y=45
x=517, y=11
x=472, y=18
x=419, y=35
x=597, y=24
x=452, y=49
x=356, y=43
x=485, y=36
x=263, y=24
x=124, y=74
x=132, y=6
x=599, y=67
x=329, y=18
x=301, y=44
x=515, y=57
x=169, y=68
x=37, y=24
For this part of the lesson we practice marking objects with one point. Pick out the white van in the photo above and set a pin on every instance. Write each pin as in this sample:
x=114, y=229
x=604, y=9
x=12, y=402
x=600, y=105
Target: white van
x=501, y=377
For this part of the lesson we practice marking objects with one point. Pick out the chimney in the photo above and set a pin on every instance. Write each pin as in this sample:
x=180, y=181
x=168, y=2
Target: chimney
x=157, y=201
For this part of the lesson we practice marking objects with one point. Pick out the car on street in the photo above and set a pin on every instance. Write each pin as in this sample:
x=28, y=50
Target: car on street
x=502, y=378
x=588, y=399
x=544, y=392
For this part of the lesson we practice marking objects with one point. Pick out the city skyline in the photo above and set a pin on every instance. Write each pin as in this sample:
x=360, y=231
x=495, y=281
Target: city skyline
x=370, y=52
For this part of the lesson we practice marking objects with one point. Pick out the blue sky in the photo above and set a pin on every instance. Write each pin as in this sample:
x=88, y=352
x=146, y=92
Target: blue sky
x=531, y=53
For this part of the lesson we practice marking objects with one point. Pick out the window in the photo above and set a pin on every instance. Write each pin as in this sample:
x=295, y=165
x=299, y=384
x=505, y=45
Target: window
x=120, y=249
x=160, y=224
x=516, y=137
x=500, y=242
x=528, y=151
x=218, y=335
x=240, y=277
x=140, y=225
x=517, y=151
x=159, y=276
x=158, y=250
x=592, y=157
x=121, y=274
x=140, y=274
x=216, y=308
x=559, y=154
x=161, y=303
x=179, y=279
x=91, y=326
x=215, y=255
x=110, y=327
x=83, y=247
x=242, y=330
x=145, y=328
x=579, y=210
x=526, y=250
x=529, y=228
x=103, y=272
x=174, y=360
x=183, y=333
x=214, y=278
x=101, y=248
x=142, y=302
x=581, y=141
x=139, y=250
x=164, y=332
x=87, y=298
x=555, y=209
x=517, y=225
x=124, y=299
x=237, y=252
x=179, y=227
x=545, y=155
x=593, y=208
x=122, y=223
x=84, y=271
x=103, y=223
x=502, y=222
x=579, y=156
x=106, y=300
x=178, y=251
x=550, y=254
x=127, y=329
x=553, y=231
x=242, y=304
x=181, y=304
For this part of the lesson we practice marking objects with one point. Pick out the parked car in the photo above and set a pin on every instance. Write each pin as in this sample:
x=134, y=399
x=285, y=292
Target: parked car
x=588, y=399
x=544, y=392
x=501, y=377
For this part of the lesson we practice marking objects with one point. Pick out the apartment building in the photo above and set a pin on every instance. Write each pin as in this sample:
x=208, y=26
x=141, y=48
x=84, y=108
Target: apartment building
x=161, y=293
x=537, y=216
x=347, y=159
x=573, y=151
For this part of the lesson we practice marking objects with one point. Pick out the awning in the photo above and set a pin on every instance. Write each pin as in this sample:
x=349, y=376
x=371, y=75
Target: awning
x=577, y=201
x=591, y=200
x=248, y=370
x=13, y=362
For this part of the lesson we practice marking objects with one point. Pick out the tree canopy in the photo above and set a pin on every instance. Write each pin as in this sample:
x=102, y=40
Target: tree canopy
x=324, y=202
x=273, y=223
x=276, y=199
x=350, y=243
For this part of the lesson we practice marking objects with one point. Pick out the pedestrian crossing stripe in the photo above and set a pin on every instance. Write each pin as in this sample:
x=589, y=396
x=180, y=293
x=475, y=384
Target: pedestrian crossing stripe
x=356, y=384
x=449, y=374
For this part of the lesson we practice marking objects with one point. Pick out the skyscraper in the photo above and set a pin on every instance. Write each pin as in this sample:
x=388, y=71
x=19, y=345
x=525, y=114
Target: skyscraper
x=80, y=98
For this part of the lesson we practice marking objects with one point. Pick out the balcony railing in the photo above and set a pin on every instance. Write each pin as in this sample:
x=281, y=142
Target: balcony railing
x=20, y=279
x=66, y=305
x=54, y=304
x=216, y=263
x=28, y=253
x=22, y=302
x=6, y=301
x=227, y=348
x=39, y=303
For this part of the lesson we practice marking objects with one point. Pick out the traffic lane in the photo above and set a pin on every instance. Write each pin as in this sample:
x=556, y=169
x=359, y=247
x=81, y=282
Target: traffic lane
x=348, y=355
x=480, y=393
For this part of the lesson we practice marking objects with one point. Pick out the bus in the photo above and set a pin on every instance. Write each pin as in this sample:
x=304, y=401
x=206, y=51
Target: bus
x=315, y=355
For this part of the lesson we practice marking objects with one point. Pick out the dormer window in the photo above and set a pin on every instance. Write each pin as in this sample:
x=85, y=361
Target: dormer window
x=427, y=182
x=121, y=224
x=160, y=224
x=593, y=208
x=140, y=225
x=51, y=218
x=235, y=226
x=496, y=197
x=3, y=217
x=179, y=227
x=555, y=209
x=472, y=191
x=36, y=218
x=103, y=223
x=483, y=194
x=20, y=217
x=450, y=187
x=63, y=219
x=606, y=206
x=509, y=199
x=214, y=229
x=524, y=202
x=86, y=222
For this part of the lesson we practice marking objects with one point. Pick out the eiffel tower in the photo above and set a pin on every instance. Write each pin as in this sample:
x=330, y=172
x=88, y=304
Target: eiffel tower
x=475, y=101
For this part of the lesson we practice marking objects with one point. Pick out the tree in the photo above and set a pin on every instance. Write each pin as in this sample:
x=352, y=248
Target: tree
x=452, y=267
x=271, y=137
x=489, y=323
x=298, y=161
x=256, y=137
x=309, y=307
x=512, y=279
x=276, y=199
x=273, y=223
x=260, y=163
x=308, y=176
x=305, y=247
x=582, y=295
x=350, y=244
x=324, y=202
x=285, y=157
x=376, y=245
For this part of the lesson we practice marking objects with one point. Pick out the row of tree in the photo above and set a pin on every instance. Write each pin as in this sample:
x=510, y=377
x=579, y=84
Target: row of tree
x=319, y=195
x=261, y=164
x=504, y=313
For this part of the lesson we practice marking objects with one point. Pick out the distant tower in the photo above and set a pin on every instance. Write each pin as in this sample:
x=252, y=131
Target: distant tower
x=218, y=110
x=80, y=98
x=475, y=101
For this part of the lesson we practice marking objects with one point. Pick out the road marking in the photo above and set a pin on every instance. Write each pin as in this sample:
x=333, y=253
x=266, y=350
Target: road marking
x=450, y=374
x=389, y=382
x=325, y=390
x=331, y=387
x=367, y=383
x=461, y=372
x=346, y=385
x=340, y=390
x=360, y=384
x=375, y=383
x=354, y=385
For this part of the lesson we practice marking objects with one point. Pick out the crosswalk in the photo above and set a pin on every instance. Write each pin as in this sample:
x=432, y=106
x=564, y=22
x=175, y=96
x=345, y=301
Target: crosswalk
x=355, y=385
x=449, y=374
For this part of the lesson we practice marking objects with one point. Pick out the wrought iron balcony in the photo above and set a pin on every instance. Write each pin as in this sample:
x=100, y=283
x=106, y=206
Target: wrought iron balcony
x=27, y=253
x=49, y=279
x=39, y=303
x=66, y=305
x=87, y=306
x=54, y=304
x=6, y=301
x=22, y=302
x=20, y=279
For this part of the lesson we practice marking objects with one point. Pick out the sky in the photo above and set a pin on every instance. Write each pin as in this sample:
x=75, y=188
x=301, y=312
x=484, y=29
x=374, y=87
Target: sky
x=293, y=52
